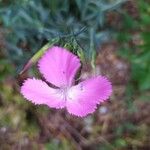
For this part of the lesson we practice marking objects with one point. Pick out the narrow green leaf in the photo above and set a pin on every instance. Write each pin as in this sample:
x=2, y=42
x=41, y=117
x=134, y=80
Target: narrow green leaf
x=39, y=53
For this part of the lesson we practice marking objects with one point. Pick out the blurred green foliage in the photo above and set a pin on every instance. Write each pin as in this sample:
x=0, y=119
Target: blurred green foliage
x=5, y=68
x=30, y=21
x=135, y=45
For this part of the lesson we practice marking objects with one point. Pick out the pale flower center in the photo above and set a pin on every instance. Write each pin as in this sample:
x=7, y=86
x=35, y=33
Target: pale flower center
x=69, y=93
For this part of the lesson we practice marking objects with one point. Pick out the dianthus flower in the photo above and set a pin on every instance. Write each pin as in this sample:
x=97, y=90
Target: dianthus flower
x=59, y=67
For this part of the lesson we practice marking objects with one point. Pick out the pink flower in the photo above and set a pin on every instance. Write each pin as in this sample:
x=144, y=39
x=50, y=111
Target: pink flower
x=59, y=67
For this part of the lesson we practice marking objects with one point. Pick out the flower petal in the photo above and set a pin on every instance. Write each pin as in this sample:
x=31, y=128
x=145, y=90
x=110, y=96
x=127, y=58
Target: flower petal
x=38, y=92
x=83, y=98
x=59, y=66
